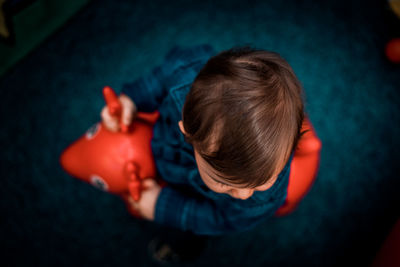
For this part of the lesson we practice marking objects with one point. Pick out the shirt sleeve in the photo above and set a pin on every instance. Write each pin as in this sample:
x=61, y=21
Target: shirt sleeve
x=149, y=90
x=204, y=217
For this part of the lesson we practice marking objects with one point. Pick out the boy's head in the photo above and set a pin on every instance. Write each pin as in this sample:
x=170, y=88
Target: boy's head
x=243, y=116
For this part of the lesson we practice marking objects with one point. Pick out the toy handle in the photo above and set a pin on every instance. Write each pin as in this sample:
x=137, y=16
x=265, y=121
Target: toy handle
x=134, y=180
x=148, y=117
x=112, y=101
x=114, y=105
x=115, y=108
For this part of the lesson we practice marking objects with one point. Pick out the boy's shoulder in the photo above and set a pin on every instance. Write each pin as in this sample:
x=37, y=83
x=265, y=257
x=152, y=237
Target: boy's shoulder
x=185, y=63
x=181, y=56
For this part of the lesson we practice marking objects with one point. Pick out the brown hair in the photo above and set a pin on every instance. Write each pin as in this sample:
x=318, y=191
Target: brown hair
x=244, y=113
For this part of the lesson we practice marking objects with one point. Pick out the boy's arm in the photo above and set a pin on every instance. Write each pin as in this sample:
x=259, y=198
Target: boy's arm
x=203, y=216
x=148, y=91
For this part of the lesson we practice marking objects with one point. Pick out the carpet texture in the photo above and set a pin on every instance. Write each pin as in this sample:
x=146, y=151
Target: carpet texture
x=352, y=93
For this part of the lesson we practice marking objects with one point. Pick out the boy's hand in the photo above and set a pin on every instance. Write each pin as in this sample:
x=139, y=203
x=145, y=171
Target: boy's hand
x=147, y=204
x=128, y=113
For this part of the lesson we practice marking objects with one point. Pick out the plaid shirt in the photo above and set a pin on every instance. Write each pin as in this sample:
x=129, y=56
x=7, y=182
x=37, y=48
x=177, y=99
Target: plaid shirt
x=186, y=202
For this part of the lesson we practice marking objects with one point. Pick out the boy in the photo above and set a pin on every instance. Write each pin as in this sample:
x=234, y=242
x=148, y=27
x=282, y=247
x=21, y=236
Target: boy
x=224, y=140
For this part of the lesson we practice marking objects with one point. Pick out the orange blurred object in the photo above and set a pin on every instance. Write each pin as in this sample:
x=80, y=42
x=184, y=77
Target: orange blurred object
x=303, y=168
x=114, y=162
x=392, y=50
x=114, y=106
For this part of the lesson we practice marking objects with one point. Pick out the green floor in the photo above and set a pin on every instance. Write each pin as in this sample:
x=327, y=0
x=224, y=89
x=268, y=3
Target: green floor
x=53, y=95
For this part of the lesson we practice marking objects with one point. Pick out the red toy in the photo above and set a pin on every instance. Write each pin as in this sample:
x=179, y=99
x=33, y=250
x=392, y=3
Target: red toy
x=392, y=50
x=303, y=168
x=118, y=162
x=114, y=162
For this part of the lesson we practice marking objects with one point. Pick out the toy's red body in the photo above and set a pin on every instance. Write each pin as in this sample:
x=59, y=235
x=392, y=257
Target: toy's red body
x=392, y=50
x=303, y=169
x=114, y=162
x=118, y=162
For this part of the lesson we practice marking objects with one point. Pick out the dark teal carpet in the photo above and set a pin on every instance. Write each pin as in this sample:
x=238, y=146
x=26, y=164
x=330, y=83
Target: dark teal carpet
x=353, y=97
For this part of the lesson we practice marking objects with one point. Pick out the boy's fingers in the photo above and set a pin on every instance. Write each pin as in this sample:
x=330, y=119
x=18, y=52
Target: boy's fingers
x=128, y=109
x=128, y=112
x=109, y=121
x=126, y=118
x=113, y=127
x=106, y=116
x=148, y=183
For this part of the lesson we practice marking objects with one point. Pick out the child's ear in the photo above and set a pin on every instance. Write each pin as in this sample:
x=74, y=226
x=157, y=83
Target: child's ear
x=180, y=123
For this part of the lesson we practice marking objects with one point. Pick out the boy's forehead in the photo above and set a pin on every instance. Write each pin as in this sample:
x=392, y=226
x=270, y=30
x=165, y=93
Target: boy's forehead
x=206, y=168
x=215, y=176
x=211, y=173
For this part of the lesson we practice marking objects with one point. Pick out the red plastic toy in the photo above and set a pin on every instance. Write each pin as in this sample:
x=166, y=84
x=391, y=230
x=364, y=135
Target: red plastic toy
x=118, y=162
x=303, y=169
x=114, y=162
x=392, y=50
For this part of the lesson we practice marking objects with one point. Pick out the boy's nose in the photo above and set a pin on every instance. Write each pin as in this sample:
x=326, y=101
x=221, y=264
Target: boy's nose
x=242, y=193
